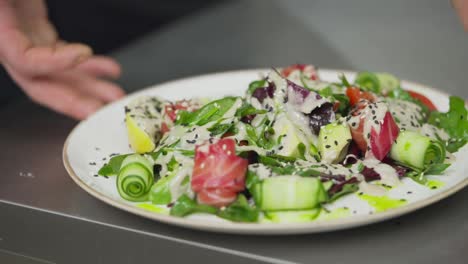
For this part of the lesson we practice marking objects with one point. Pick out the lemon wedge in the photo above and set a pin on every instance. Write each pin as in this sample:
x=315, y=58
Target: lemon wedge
x=139, y=140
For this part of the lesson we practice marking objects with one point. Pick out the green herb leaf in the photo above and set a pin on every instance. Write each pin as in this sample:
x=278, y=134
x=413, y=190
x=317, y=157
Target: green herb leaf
x=113, y=166
x=344, y=81
x=454, y=122
x=255, y=85
x=220, y=129
x=401, y=94
x=347, y=188
x=212, y=111
x=247, y=109
x=251, y=179
x=185, y=206
x=239, y=211
x=436, y=169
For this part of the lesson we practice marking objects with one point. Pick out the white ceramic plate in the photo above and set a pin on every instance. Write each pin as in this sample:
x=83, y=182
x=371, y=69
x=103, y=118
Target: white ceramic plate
x=104, y=133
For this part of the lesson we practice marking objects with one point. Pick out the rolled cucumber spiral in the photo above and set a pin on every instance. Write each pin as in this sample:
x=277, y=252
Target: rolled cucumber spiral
x=135, y=178
x=417, y=151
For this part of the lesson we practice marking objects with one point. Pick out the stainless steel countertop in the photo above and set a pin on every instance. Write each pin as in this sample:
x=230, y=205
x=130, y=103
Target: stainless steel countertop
x=47, y=218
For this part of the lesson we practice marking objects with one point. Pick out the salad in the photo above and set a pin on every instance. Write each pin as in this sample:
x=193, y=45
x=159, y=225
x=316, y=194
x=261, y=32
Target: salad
x=286, y=149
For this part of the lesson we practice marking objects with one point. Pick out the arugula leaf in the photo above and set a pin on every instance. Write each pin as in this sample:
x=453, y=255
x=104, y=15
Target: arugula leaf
x=301, y=148
x=256, y=84
x=344, y=81
x=210, y=112
x=220, y=129
x=436, y=169
x=112, y=168
x=239, y=211
x=172, y=164
x=251, y=179
x=326, y=92
x=343, y=107
x=419, y=175
x=454, y=122
x=247, y=109
x=185, y=206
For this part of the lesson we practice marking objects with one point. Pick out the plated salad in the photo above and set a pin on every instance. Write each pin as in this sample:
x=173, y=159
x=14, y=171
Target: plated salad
x=289, y=147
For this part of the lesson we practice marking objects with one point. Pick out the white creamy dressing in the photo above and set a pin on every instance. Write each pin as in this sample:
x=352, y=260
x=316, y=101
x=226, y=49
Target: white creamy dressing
x=307, y=104
x=371, y=189
x=195, y=135
x=261, y=170
x=175, y=186
x=181, y=172
x=433, y=132
x=280, y=91
x=406, y=114
x=300, y=121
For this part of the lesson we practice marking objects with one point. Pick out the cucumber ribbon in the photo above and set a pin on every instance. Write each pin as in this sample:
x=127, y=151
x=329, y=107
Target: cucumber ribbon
x=417, y=151
x=135, y=178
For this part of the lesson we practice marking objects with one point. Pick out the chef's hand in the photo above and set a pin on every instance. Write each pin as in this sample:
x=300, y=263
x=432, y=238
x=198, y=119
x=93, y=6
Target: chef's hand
x=65, y=77
x=462, y=9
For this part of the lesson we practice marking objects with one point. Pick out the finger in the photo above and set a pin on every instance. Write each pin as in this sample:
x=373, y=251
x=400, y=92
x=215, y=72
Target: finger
x=66, y=100
x=104, y=90
x=58, y=96
x=91, y=86
x=101, y=66
x=462, y=9
x=18, y=52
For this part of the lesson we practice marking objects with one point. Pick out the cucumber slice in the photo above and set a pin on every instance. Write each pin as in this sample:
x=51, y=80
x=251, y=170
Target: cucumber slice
x=139, y=159
x=289, y=193
x=134, y=182
x=388, y=82
x=417, y=151
x=293, y=216
x=333, y=142
x=368, y=81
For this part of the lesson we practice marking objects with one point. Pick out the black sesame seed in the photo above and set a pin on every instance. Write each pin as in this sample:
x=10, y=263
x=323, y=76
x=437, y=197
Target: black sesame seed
x=280, y=148
x=336, y=143
x=402, y=200
x=433, y=187
x=95, y=175
x=409, y=192
x=191, y=141
x=361, y=193
x=327, y=146
x=373, y=112
x=106, y=177
x=353, y=124
x=376, y=122
x=92, y=163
